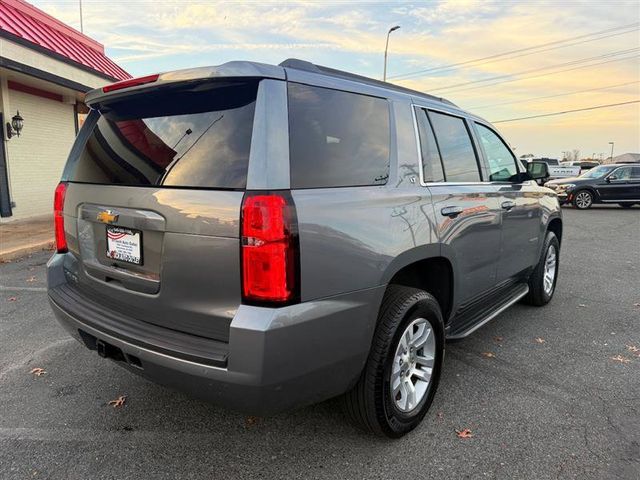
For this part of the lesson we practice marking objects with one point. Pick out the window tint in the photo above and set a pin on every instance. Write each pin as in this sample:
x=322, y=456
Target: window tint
x=623, y=173
x=193, y=136
x=502, y=165
x=431, y=164
x=635, y=173
x=337, y=138
x=456, y=149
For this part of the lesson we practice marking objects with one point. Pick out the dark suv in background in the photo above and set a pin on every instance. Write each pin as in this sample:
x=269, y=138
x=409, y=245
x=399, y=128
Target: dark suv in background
x=267, y=237
x=614, y=183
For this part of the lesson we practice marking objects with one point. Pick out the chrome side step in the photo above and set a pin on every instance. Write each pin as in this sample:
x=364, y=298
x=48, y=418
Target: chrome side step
x=502, y=306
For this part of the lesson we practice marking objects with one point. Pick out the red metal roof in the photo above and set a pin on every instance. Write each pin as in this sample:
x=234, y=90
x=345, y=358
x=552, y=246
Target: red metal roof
x=23, y=20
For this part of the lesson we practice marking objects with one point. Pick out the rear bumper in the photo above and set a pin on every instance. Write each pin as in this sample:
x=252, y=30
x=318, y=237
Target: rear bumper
x=276, y=358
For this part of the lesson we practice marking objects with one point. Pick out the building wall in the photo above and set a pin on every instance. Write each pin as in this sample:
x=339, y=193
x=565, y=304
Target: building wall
x=37, y=157
x=27, y=56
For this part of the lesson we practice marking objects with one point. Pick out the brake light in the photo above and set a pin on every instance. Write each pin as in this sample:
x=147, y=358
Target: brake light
x=58, y=218
x=134, y=82
x=270, y=253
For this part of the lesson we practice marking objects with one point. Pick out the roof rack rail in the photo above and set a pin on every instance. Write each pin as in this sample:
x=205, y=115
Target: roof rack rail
x=306, y=66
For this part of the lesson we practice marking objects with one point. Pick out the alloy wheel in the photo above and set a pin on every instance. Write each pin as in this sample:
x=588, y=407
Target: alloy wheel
x=550, y=265
x=583, y=200
x=413, y=365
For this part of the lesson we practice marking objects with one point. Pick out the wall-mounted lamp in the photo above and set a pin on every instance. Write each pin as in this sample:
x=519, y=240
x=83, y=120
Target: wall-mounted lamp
x=15, y=127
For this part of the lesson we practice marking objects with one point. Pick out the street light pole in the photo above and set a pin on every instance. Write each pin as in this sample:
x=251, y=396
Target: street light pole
x=81, y=25
x=386, y=48
x=611, y=143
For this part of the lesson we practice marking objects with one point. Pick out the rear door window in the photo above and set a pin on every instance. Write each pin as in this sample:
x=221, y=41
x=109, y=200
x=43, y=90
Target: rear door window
x=456, y=148
x=337, y=138
x=198, y=135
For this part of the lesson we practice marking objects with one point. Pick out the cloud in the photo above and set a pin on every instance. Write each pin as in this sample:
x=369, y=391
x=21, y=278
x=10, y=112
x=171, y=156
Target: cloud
x=158, y=36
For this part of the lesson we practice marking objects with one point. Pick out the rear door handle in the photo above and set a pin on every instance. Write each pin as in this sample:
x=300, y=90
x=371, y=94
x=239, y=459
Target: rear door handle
x=508, y=205
x=451, y=212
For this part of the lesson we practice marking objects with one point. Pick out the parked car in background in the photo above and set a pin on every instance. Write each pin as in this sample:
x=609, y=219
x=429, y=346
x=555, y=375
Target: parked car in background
x=556, y=169
x=268, y=237
x=583, y=164
x=613, y=183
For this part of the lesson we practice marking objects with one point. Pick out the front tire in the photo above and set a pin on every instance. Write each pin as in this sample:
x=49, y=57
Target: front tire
x=583, y=199
x=399, y=381
x=543, y=279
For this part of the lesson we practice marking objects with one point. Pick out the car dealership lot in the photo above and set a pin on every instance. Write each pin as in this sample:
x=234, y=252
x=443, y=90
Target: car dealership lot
x=551, y=402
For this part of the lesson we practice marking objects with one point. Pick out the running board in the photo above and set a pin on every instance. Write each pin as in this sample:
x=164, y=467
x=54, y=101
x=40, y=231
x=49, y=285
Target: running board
x=501, y=307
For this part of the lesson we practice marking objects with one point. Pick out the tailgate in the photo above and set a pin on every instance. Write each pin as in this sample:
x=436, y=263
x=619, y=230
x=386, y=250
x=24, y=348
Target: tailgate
x=155, y=184
x=189, y=278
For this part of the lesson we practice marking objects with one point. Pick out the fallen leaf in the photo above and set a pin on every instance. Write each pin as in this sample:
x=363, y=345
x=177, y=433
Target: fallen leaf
x=31, y=279
x=250, y=421
x=488, y=354
x=581, y=305
x=636, y=304
x=12, y=299
x=539, y=340
x=37, y=371
x=118, y=402
x=465, y=433
x=633, y=349
x=498, y=339
x=621, y=359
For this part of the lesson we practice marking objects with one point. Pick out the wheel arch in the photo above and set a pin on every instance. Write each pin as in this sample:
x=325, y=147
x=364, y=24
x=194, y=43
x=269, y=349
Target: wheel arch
x=427, y=269
x=555, y=226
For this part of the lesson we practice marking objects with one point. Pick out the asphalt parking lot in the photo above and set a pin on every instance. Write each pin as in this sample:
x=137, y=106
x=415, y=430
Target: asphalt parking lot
x=559, y=398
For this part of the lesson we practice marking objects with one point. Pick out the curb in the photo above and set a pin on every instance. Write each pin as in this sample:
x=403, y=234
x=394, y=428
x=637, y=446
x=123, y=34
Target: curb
x=14, y=254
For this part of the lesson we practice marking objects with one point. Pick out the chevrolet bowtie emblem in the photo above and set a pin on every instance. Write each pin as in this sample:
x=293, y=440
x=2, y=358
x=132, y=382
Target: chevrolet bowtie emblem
x=107, y=216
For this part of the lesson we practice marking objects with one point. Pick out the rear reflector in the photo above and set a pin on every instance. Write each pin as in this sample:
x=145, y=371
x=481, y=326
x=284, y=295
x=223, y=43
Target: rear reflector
x=58, y=218
x=270, y=254
x=134, y=82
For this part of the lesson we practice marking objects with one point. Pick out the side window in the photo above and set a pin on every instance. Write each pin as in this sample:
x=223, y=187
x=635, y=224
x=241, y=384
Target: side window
x=458, y=156
x=502, y=163
x=623, y=173
x=337, y=138
x=635, y=173
x=431, y=164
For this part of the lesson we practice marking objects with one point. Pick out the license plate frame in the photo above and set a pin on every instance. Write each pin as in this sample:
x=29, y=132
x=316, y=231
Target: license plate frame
x=127, y=251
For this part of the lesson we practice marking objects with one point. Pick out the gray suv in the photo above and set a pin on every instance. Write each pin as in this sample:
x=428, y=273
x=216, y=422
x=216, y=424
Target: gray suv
x=267, y=237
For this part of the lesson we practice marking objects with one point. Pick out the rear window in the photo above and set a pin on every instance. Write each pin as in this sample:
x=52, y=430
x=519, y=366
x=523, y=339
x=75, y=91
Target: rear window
x=337, y=139
x=197, y=135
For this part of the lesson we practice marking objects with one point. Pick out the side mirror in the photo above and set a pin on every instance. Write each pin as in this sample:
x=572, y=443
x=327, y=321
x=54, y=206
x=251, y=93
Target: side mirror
x=538, y=171
x=611, y=178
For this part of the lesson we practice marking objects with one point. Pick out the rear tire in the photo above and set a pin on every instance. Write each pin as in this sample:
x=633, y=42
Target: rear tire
x=542, y=282
x=397, y=358
x=583, y=199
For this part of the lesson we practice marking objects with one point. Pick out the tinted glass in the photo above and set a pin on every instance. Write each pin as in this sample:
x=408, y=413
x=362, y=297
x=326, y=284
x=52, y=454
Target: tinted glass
x=431, y=164
x=623, y=173
x=195, y=136
x=598, y=172
x=456, y=149
x=337, y=138
x=502, y=164
x=635, y=173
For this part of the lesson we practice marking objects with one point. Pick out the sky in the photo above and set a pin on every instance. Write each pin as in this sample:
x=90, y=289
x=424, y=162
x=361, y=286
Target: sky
x=575, y=54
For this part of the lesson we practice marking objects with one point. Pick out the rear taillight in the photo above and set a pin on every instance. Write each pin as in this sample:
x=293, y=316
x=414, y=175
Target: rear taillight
x=133, y=82
x=270, y=253
x=58, y=218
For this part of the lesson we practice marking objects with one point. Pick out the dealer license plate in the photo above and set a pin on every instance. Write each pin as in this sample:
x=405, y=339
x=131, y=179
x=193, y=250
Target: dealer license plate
x=124, y=244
